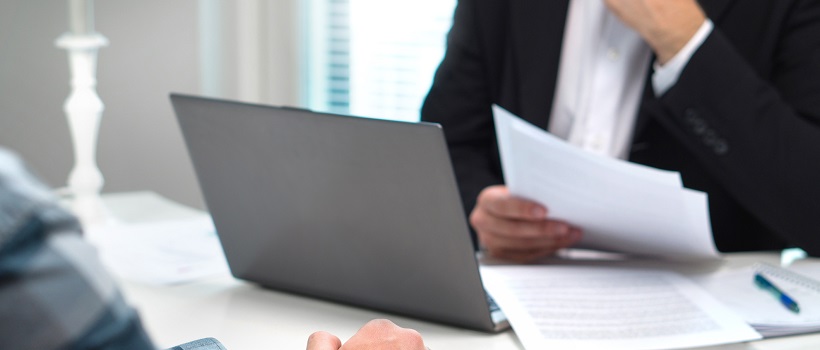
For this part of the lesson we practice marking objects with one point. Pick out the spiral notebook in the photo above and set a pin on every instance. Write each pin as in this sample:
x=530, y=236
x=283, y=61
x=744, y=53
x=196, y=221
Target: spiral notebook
x=736, y=289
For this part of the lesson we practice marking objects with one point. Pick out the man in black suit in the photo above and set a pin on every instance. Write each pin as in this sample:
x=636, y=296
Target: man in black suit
x=738, y=116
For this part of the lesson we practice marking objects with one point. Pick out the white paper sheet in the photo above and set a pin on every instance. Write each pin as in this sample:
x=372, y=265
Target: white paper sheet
x=163, y=252
x=620, y=206
x=570, y=307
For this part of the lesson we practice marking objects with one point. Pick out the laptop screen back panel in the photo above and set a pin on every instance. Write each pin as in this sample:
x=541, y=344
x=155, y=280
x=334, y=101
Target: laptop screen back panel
x=354, y=210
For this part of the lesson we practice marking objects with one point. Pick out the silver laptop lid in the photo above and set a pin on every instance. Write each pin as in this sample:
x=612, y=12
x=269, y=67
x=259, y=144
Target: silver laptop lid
x=359, y=211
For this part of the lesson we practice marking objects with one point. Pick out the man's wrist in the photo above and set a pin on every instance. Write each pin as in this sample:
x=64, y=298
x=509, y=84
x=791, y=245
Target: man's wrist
x=667, y=45
x=666, y=75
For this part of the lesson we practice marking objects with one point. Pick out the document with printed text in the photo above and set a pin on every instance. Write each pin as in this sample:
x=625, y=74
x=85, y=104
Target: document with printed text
x=563, y=307
x=621, y=206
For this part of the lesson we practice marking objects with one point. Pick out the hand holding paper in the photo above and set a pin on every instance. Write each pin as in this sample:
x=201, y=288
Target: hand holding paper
x=620, y=206
x=517, y=229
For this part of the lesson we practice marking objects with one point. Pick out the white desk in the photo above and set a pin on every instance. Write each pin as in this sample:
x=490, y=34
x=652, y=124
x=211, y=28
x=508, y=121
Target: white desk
x=245, y=316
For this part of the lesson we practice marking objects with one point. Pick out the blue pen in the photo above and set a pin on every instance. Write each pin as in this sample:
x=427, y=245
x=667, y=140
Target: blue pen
x=784, y=299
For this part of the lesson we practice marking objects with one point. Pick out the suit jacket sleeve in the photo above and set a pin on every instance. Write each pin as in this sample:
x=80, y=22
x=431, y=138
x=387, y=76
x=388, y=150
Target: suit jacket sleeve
x=460, y=99
x=755, y=123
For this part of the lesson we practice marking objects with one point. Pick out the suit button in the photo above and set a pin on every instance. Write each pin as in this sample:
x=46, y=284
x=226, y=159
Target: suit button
x=698, y=126
x=721, y=147
x=709, y=137
x=690, y=114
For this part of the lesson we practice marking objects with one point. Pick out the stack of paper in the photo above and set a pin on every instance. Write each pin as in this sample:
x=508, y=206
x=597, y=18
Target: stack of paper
x=620, y=206
x=567, y=307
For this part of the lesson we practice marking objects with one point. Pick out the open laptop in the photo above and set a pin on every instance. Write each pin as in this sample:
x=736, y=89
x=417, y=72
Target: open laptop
x=358, y=211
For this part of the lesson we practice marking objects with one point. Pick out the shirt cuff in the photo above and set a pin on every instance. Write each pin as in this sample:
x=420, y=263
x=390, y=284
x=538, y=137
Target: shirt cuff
x=665, y=76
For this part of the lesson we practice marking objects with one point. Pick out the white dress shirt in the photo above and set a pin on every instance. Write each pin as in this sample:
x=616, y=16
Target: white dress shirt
x=601, y=78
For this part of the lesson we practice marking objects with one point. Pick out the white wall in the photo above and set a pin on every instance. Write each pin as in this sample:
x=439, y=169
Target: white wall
x=156, y=47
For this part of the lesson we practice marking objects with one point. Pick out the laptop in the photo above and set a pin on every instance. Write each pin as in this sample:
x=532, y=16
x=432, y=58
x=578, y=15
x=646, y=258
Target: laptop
x=358, y=211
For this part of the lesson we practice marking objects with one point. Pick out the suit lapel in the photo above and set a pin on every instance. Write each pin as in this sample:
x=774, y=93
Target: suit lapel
x=537, y=34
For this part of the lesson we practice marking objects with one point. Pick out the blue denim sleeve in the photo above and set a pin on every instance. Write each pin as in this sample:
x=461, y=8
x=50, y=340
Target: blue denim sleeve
x=202, y=344
x=54, y=293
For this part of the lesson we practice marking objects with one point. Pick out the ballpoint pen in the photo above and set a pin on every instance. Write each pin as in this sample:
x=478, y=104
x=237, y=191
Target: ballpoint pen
x=784, y=299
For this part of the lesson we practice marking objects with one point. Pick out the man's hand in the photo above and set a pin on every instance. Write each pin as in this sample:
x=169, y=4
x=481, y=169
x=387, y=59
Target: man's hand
x=515, y=229
x=323, y=341
x=375, y=335
x=666, y=25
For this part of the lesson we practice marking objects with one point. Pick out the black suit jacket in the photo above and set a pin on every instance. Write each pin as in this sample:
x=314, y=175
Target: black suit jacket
x=742, y=122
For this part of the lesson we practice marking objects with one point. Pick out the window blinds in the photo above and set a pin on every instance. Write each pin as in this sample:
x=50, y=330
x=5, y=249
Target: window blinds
x=374, y=58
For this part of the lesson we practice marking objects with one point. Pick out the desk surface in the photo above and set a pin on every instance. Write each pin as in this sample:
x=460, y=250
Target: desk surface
x=244, y=316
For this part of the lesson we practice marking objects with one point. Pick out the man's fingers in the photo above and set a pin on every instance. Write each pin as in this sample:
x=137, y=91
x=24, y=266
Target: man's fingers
x=384, y=335
x=498, y=201
x=323, y=341
x=484, y=221
x=499, y=240
x=526, y=249
x=522, y=256
x=517, y=229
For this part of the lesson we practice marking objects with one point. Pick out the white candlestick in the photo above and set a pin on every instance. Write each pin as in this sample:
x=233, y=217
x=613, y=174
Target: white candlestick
x=84, y=110
x=81, y=16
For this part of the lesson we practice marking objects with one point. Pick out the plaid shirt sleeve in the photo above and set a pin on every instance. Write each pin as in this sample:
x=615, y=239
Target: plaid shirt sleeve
x=53, y=291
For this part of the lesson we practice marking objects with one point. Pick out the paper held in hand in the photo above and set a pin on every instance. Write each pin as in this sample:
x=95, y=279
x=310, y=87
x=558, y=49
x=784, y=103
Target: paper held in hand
x=621, y=206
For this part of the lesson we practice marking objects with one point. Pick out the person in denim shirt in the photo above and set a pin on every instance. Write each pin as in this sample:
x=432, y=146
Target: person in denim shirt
x=54, y=292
